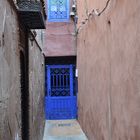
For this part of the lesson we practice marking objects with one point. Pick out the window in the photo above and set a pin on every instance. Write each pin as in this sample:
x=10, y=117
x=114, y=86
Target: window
x=58, y=10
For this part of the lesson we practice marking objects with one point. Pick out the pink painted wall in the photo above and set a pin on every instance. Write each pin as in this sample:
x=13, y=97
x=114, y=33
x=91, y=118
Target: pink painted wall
x=60, y=39
x=109, y=69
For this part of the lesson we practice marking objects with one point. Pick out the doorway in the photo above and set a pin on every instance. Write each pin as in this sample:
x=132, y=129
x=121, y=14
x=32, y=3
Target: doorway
x=61, y=97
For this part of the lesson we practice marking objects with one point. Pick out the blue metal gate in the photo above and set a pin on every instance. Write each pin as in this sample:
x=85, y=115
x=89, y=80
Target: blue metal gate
x=61, y=100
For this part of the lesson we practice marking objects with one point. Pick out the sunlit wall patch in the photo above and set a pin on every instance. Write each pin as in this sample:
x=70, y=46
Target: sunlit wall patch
x=58, y=10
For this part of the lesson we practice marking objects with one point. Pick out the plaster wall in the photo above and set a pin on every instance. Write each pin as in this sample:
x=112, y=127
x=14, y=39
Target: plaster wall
x=12, y=41
x=109, y=69
x=60, y=39
x=36, y=91
x=10, y=113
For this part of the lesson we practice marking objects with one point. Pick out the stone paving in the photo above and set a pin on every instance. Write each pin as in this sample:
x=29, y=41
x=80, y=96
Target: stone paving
x=63, y=130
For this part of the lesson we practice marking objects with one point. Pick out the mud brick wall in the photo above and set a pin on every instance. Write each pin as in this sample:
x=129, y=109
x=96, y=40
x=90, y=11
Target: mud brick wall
x=12, y=41
x=109, y=69
x=10, y=114
x=36, y=91
x=60, y=38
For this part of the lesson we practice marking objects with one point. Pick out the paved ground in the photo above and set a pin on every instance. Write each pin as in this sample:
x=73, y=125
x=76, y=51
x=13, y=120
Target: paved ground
x=63, y=130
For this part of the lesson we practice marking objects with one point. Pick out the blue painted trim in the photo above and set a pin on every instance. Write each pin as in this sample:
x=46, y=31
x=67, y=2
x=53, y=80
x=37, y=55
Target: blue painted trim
x=72, y=92
x=71, y=80
x=48, y=81
x=60, y=107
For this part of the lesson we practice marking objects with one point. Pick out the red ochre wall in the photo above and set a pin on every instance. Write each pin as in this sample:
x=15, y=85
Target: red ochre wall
x=109, y=69
x=60, y=39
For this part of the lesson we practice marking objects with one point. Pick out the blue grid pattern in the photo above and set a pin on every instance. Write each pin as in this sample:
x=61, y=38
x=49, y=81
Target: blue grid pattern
x=60, y=101
x=58, y=10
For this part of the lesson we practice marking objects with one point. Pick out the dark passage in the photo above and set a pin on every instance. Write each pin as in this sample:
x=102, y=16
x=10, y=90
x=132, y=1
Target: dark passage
x=24, y=99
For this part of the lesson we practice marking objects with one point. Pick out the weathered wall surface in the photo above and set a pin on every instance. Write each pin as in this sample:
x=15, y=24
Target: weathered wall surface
x=10, y=113
x=36, y=91
x=109, y=69
x=12, y=41
x=60, y=39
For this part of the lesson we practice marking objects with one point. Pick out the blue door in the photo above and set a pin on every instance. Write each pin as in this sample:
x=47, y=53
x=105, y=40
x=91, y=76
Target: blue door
x=61, y=100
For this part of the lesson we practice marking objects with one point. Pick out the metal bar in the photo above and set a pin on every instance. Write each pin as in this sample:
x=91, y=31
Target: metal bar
x=56, y=80
x=63, y=82
x=68, y=80
x=48, y=81
x=71, y=80
x=60, y=81
x=53, y=81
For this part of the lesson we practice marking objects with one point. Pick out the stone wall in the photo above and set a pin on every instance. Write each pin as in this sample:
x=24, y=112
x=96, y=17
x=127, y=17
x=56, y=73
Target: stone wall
x=109, y=69
x=36, y=91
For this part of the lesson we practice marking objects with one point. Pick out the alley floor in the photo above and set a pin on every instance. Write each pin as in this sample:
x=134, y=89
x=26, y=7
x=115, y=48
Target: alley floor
x=63, y=130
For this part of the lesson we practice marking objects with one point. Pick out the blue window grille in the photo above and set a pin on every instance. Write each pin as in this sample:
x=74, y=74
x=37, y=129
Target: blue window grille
x=58, y=10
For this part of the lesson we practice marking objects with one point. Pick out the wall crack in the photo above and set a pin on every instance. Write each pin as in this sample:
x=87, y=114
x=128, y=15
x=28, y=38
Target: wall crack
x=94, y=12
x=107, y=3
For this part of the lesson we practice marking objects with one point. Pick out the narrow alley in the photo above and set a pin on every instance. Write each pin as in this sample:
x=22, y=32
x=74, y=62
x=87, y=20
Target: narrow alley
x=63, y=130
x=69, y=70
